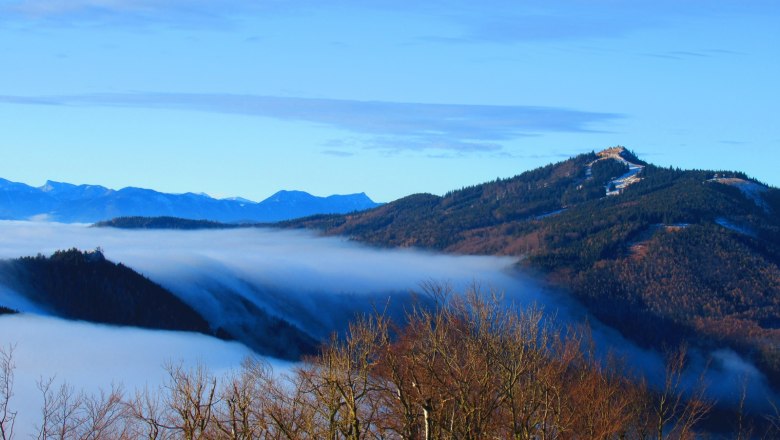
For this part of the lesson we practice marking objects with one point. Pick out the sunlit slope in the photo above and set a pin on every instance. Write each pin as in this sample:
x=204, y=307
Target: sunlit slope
x=675, y=255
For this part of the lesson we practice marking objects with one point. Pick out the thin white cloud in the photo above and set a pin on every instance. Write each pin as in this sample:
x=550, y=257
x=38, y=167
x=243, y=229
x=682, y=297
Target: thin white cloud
x=433, y=142
x=393, y=126
x=338, y=153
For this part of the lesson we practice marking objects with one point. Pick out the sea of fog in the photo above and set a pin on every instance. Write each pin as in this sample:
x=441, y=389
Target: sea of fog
x=90, y=357
x=317, y=283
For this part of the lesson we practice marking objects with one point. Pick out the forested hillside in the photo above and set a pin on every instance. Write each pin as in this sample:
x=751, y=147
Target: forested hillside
x=86, y=286
x=73, y=284
x=162, y=223
x=677, y=256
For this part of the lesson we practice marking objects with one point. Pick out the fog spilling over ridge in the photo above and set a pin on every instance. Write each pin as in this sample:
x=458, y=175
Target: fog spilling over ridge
x=319, y=284
x=315, y=283
x=271, y=255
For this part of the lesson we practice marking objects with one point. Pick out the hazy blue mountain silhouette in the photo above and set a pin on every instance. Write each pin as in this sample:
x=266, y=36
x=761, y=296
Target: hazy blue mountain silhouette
x=68, y=203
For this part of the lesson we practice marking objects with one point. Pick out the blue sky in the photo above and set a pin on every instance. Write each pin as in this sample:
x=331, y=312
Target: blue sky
x=244, y=98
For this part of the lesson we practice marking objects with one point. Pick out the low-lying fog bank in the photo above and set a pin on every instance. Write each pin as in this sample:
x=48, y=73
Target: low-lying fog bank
x=91, y=356
x=318, y=284
x=315, y=283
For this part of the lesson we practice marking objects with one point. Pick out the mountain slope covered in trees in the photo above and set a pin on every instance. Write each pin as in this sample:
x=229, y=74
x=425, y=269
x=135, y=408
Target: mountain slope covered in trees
x=676, y=256
x=136, y=222
x=86, y=286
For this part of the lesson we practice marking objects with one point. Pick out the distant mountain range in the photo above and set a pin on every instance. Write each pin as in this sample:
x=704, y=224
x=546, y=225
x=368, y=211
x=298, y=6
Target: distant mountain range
x=68, y=203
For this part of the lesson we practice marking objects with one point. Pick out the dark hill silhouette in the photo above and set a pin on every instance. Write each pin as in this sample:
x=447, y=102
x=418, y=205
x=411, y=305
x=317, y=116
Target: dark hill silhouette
x=163, y=223
x=86, y=286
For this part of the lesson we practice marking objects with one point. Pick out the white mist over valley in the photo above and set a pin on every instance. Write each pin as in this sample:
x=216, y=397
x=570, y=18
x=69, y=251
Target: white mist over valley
x=317, y=283
x=90, y=357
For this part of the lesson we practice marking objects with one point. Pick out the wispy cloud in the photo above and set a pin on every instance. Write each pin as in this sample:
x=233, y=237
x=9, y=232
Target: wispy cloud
x=58, y=7
x=500, y=22
x=545, y=20
x=551, y=26
x=338, y=153
x=690, y=54
x=65, y=7
x=433, y=142
x=177, y=13
x=539, y=20
x=393, y=126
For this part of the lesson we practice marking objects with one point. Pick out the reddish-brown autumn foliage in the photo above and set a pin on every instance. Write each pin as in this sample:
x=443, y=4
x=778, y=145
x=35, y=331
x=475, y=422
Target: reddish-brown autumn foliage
x=468, y=368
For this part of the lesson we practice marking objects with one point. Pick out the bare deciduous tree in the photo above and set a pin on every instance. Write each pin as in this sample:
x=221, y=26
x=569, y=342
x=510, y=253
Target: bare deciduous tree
x=342, y=383
x=106, y=416
x=675, y=413
x=62, y=414
x=773, y=418
x=459, y=367
x=239, y=413
x=7, y=415
x=148, y=416
x=190, y=397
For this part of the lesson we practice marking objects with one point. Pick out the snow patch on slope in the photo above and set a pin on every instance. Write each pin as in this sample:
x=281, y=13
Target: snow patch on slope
x=751, y=190
x=616, y=186
x=240, y=200
x=734, y=227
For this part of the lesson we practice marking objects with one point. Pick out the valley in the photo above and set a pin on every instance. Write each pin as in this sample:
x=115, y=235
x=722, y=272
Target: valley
x=648, y=258
x=383, y=220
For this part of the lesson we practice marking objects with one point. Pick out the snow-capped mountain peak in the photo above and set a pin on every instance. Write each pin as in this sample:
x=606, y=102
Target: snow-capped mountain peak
x=239, y=200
